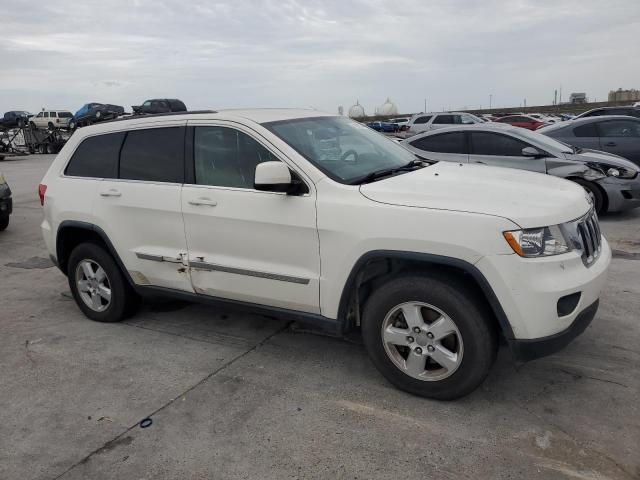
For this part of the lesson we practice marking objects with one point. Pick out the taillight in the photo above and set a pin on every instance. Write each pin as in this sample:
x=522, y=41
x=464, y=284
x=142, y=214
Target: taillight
x=42, y=189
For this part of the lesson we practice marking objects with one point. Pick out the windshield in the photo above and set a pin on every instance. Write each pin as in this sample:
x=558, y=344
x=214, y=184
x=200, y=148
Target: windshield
x=343, y=149
x=546, y=142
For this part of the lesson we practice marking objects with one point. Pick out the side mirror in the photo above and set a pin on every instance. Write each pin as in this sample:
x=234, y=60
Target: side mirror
x=273, y=177
x=531, y=152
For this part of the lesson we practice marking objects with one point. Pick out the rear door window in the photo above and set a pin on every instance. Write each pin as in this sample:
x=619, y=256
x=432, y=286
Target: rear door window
x=96, y=157
x=424, y=119
x=155, y=155
x=445, y=119
x=453, y=142
x=619, y=128
x=486, y=143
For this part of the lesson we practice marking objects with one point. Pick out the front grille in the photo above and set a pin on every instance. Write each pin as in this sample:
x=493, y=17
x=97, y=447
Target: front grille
x=590, y=237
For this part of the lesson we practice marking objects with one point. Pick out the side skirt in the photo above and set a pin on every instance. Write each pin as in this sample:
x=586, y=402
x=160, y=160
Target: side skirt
x=320, y=322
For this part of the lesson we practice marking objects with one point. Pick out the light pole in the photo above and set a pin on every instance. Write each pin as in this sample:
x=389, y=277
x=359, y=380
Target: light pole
x=490, y=100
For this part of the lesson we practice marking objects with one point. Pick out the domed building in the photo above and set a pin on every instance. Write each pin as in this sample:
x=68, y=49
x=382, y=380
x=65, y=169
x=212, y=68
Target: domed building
x=388, y=108
x=356, y=111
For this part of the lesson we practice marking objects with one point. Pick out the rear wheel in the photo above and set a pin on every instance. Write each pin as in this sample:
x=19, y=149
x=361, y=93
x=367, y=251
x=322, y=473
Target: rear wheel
x=4, y=222
x=98, y=286
x=50, y=125
x=594, y=191
x=429, y=336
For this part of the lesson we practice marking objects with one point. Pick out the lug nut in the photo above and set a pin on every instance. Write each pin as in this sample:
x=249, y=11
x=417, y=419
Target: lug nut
x=410, y=339
x=418, y=350
x=430, y=348
x=430, y=335
x=416, y=329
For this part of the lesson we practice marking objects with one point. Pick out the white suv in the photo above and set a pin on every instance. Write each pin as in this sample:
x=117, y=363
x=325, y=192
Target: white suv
x=51, y=119
x=318, y=218
x=423, y=122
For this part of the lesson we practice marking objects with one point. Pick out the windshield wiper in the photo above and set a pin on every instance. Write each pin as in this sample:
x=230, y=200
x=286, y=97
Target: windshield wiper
x=385, y=172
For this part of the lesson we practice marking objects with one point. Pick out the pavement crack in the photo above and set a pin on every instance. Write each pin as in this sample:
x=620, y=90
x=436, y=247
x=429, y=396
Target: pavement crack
x=224, y=339
x=578, y=376
x=117, y=439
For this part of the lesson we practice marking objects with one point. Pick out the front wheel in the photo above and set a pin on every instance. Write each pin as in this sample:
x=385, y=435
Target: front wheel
x=594, y=192
x=429, y=336
x=4, y=222
x=98, y=286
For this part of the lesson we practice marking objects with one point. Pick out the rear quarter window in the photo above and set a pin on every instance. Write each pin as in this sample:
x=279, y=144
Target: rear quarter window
x=96, y=157
x=453, y=142
x=588, y=130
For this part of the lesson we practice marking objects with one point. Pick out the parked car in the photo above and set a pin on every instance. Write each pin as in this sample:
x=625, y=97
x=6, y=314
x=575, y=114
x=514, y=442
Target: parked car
x=160, y=105
x=611, y=180
x=51, y=119
x=488, y=252
x=95, y=112
x=14, y=119
x=6, y=203
x=401, y=122
x=522, y=121
x=423, y=122
x=619, y=135
x=383, y=126
x=596, y=112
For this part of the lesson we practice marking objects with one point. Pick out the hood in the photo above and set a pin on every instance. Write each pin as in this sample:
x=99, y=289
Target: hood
x=587, y=155
x=526, y=198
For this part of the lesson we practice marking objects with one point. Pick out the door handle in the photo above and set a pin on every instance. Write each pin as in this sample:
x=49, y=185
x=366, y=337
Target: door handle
x=610, y=144
x=203, y=201
x=112, y=192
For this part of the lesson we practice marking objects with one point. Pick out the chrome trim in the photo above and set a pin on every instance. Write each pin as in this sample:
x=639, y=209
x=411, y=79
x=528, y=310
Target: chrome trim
x=585, y=235
x=157, y=258
x=251, y=273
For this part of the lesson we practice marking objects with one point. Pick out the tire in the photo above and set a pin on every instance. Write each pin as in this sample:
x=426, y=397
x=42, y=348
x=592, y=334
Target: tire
x=21, y=123
x=122, y=301
x=32, y=125
x=50, y=125
x=51, y=149
x=42, y=149
x=4, y=222
x=595, y=192
x=473, y=337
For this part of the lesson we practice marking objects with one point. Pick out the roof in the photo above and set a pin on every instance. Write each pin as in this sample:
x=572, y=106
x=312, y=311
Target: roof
x=583, y=121
x=263, y=115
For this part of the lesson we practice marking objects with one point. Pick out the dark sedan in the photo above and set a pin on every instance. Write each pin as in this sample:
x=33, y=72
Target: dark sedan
x=14, y=119
x=160, y=105
x=94, y=113
x=383, y=126
x=615, y=134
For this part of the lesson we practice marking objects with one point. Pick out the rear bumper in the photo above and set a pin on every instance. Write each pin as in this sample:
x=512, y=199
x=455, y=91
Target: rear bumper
x=530, y=349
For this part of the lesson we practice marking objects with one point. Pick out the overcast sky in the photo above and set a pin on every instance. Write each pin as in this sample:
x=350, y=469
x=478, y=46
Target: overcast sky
x=321, y=54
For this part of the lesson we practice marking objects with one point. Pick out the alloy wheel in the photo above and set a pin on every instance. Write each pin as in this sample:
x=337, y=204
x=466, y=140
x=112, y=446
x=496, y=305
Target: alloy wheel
x=93, y=285
x=422, y=341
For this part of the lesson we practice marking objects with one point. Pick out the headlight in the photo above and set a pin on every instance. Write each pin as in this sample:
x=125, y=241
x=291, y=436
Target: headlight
x=537, y=242
x=2, y=180
x=621, y=172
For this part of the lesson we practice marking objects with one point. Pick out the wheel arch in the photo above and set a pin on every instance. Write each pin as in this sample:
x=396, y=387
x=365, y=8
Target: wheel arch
x=370, y=269
x=72, y=233
x=603, y=192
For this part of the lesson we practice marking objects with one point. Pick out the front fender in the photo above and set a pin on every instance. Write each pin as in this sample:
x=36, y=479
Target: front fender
x=566, y=169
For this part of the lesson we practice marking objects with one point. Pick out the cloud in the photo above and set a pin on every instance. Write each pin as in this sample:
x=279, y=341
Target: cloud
x=216, y=54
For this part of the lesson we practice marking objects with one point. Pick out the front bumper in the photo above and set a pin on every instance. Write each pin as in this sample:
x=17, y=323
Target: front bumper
x=622, y=194
x=533, y=294
x=6, y=206
x=527, y=350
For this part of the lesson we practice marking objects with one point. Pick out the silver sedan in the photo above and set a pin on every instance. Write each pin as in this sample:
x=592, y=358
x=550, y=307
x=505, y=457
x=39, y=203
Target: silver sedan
x=613, y=181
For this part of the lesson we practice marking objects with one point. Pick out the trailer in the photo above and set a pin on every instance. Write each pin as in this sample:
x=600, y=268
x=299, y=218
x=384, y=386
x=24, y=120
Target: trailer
x=29, y=140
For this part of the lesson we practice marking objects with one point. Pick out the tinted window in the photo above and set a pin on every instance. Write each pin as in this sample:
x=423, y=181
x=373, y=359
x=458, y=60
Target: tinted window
x=619, y=128
x=154, y=155
x=45, y=114
x=588, y=130
x=422, y=119
x=96, y=157
x=226, y=157
x=65, y=115
x=453, y=142
x=445, y=119
x=485, y=143
x=467, y=119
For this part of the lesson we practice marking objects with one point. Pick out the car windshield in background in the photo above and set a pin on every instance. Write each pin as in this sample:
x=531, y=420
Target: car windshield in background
x=343, y=149
x=547, y=142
